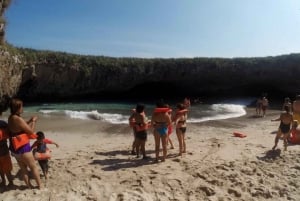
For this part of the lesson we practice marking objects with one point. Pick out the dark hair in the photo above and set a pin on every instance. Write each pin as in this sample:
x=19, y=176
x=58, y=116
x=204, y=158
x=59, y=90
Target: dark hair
x=160, y=103
x=15, y=105
x=140, y=108
x=180, y=106
x=287, y=108
x=40, y=135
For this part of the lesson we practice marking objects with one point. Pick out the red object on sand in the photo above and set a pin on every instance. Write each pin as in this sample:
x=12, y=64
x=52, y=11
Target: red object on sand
x=241, y=135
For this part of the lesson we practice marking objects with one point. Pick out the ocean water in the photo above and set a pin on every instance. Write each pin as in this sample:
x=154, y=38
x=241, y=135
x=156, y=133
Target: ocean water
x=119, y=112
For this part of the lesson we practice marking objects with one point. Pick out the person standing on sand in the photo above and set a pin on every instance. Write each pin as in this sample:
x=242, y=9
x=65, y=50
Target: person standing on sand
x=180, y=122
x=160, y=122
x=286, y=120
x=296, y=108
x=259, y=106
x=132, y=124
x=170, y=128
x=141, y=126
x=265, y=104
x=187, y=102
x=5, y=160
x=16, y=126
x=287, y=102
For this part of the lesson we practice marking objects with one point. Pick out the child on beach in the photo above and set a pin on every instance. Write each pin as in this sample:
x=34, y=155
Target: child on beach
x=40, y=150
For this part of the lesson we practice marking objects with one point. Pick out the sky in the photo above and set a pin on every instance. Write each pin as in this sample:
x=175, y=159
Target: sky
x=157, y=28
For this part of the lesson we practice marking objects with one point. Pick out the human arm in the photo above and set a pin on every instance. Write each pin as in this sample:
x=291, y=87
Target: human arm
x=47, y=141
x=55, y=144
x=32, y=121
x=33, y=145
x=279, y=118
x=17, y=124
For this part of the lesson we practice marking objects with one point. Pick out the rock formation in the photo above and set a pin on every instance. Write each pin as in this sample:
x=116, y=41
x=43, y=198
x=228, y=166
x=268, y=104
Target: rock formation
x=58, y=76
x=10, y=70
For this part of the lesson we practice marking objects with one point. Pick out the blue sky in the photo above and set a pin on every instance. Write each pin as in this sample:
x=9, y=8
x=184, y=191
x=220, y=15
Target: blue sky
x=157, y=28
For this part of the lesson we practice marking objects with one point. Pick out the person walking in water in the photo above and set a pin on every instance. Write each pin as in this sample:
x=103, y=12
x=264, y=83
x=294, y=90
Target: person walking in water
x=286, y=120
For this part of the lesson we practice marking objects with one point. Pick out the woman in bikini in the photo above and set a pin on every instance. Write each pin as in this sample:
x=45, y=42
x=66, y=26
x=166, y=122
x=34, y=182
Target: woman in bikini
x=160, y=122
x=16, y=126
x=180, y=122
x=286, y=120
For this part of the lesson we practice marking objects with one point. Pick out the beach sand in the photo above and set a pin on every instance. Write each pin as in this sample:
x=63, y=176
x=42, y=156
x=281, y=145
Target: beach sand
x=94, y=162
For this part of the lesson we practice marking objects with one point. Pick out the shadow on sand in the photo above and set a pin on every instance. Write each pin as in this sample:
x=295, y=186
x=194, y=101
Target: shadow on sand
x=271, y=155
x=113, y=163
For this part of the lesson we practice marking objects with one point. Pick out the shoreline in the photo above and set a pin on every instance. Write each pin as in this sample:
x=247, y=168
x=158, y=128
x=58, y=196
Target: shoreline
x=94, y=163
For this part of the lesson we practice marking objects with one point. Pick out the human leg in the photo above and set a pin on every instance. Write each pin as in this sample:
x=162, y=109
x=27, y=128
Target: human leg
x=30, y=162
x=3, y=183
x=133, y=151
x=143, y=149
x=183, y=143
x=24, y=171
x=277, y=137
x=5, y=169
x=171, y=143
x=137, y=147
x=285, y=142
x=157, y=144
x=44, y=166
x=179, y=137
x=164, y=145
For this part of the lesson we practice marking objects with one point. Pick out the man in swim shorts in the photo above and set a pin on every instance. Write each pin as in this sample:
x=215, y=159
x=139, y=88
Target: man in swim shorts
x=286, y=120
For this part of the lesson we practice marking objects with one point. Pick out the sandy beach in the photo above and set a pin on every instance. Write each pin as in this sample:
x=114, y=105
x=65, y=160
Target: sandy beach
x=93, y=163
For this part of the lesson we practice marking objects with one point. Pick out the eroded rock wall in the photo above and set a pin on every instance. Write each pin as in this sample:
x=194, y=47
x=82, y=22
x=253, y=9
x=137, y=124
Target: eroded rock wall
x=10, y=69
x=164, y=78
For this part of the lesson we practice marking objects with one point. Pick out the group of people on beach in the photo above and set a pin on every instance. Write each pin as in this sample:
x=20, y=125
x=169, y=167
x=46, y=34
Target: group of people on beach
x=18, y=132
x=161, y=122
x=289, y=120
x=262, y=104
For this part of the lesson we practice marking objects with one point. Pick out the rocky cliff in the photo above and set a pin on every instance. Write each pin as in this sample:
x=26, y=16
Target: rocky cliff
x=10, y=68
x=42, y=75
x=129, y=77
